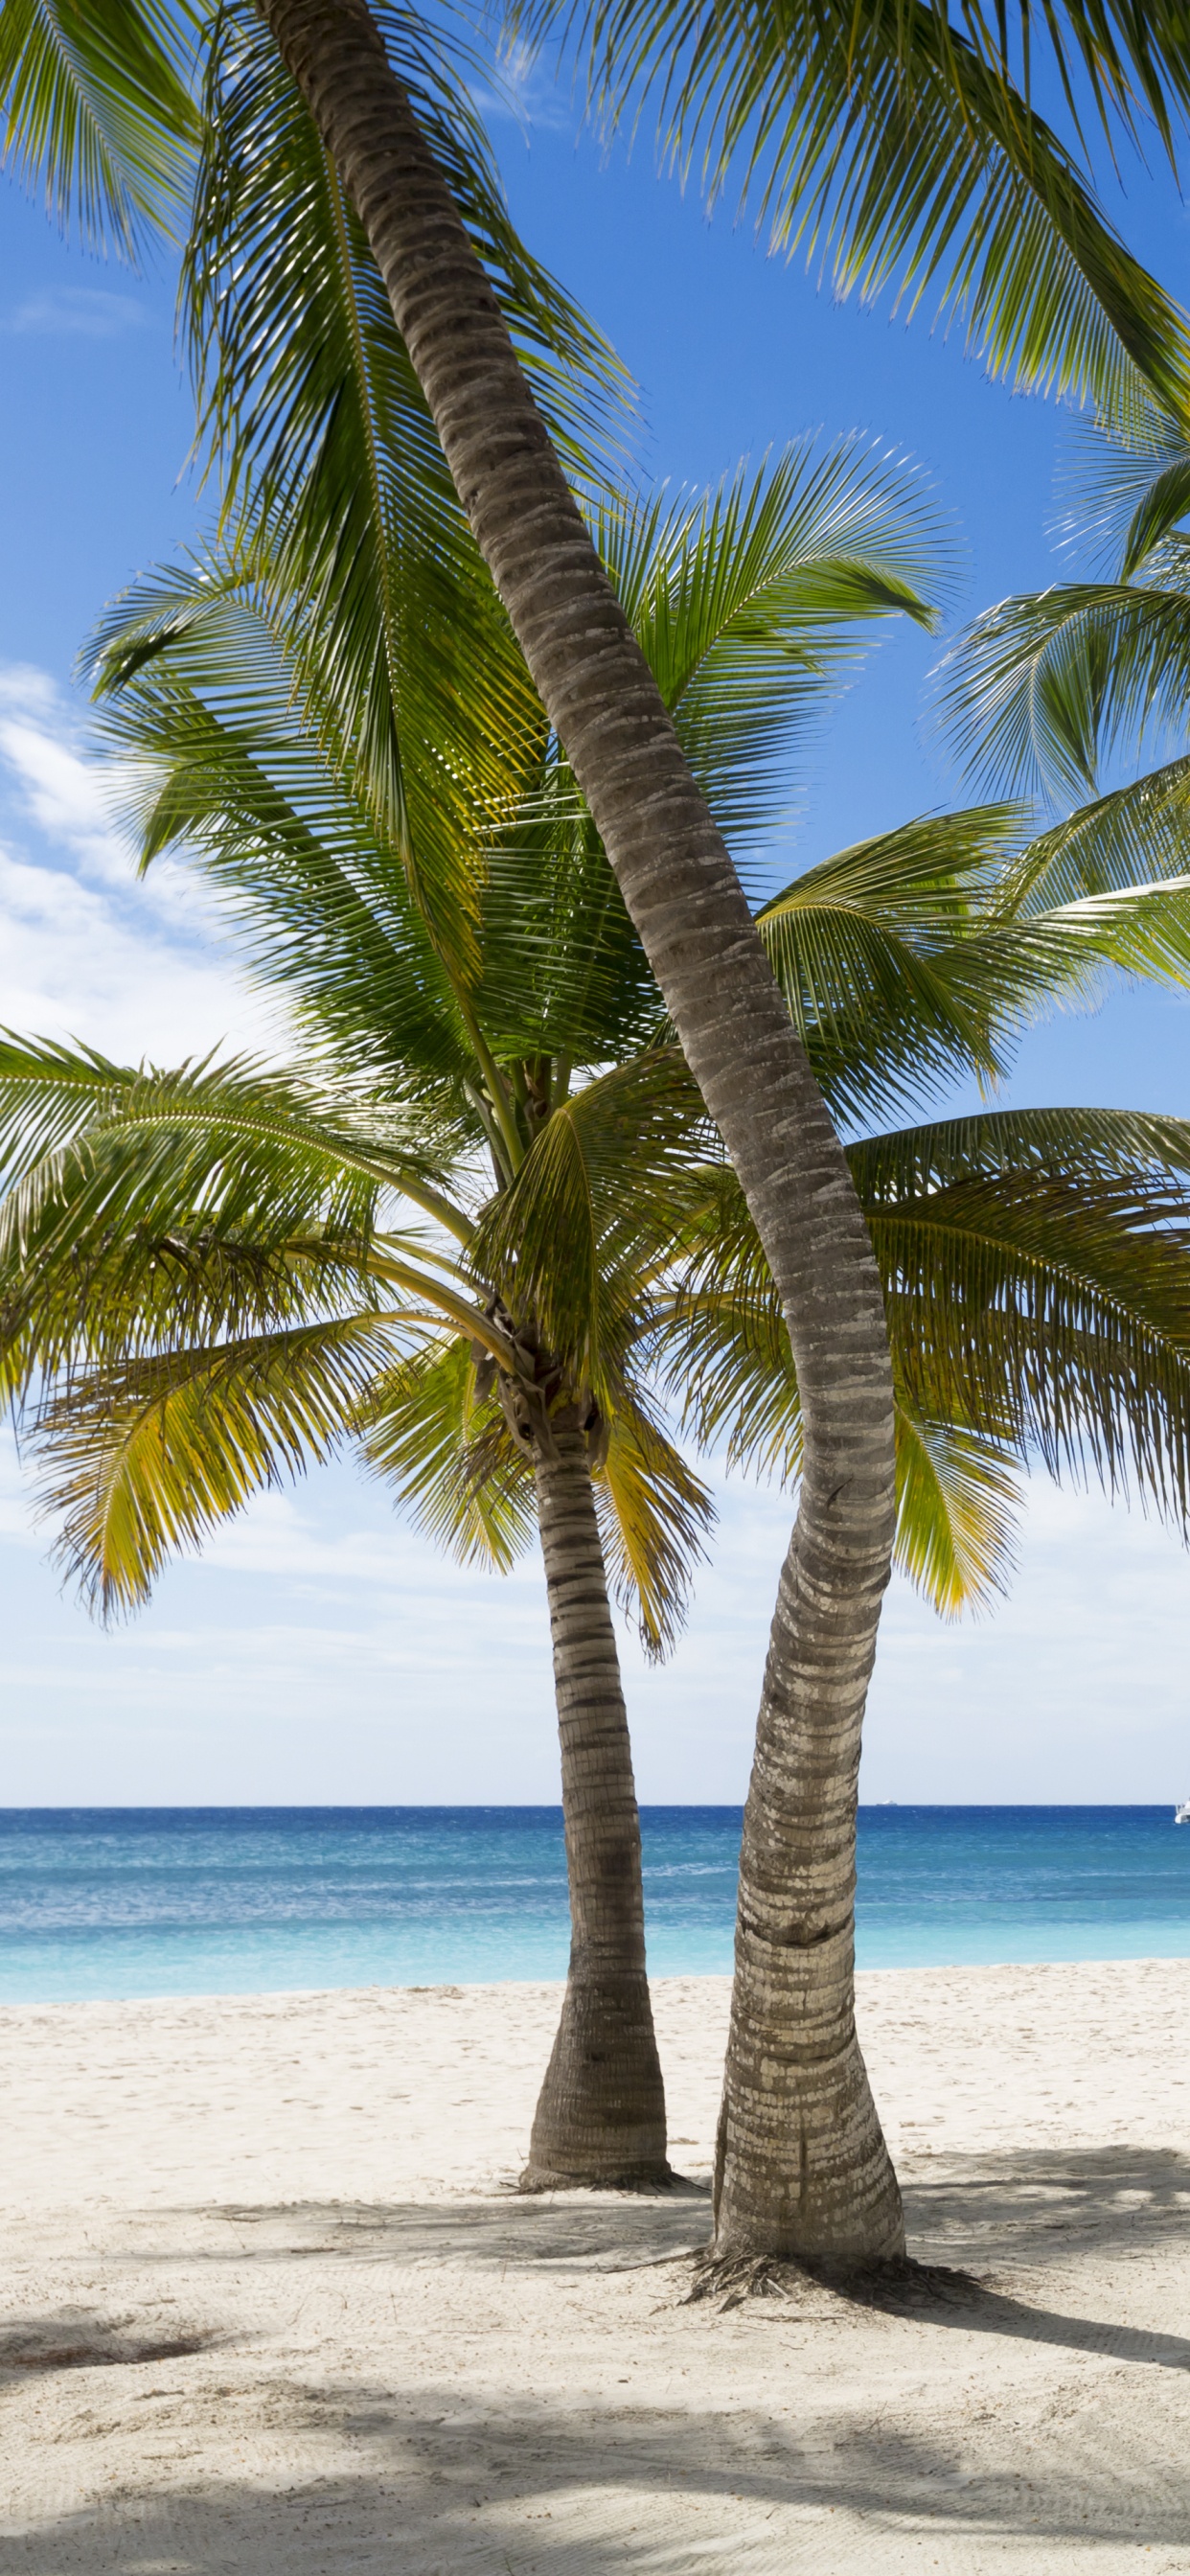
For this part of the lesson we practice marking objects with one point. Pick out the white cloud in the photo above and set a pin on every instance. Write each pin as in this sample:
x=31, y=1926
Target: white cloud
x=88, y=952
x=279, y=1535
x=319, y=1648
x=79, y=313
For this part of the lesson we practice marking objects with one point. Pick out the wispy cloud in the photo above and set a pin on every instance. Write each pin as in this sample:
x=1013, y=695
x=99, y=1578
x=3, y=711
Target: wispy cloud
x=522, y=93
x=77, y=313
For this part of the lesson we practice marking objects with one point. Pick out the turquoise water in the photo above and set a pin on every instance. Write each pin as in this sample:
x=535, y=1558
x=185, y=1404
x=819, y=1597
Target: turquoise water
x=233, y=1900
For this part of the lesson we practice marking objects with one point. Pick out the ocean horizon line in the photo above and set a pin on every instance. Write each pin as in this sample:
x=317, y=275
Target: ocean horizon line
x=553, y=1807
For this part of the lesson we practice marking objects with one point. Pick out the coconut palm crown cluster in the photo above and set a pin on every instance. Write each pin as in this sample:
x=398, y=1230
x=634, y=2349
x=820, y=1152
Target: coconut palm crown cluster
x=578, y=1164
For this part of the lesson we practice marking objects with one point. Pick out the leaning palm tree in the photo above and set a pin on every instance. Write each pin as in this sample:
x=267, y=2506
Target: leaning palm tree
x=457, y=953
x=676, y=876
x=1106, y=325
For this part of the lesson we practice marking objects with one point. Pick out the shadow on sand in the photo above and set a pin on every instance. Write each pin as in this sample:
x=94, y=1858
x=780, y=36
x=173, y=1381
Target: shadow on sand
x=447, y=2481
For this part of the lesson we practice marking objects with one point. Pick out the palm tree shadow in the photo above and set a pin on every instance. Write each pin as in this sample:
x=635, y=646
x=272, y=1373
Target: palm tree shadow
x=971, y=2221
x=933, y=2294
x=480, y=2486
x=448, y=2476
x=1035, y=2206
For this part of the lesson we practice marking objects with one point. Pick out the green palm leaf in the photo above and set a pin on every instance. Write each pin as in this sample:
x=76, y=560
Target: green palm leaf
x=601, y=1191
x=1130, y=485
x=450, y=1457
x=1042, y=687
x=655, y=1515
x=300, y=369
x=145, y=1209
x=875, y=953
x=1038, y=1296
x=1036, y=1276
x=145, y=1460
x=959, y=1499
x=897, y=138
x=747, y=599
x=96, y=112
x=564, y=976
x=1131, y=835
x=226, y=715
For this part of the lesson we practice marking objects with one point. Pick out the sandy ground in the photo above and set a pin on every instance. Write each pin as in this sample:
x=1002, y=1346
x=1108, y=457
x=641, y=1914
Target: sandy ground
x=271, y=2308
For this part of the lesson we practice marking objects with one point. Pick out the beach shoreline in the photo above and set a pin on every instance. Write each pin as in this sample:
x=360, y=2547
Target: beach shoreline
x=271, y=2301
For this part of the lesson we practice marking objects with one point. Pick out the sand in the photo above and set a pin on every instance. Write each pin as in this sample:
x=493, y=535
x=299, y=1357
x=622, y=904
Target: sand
x=270, y=2306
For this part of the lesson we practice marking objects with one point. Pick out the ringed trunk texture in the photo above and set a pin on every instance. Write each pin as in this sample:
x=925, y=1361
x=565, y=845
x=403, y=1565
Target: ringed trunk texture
x=801, y=2167
x=683, y=893
x=601, y=2115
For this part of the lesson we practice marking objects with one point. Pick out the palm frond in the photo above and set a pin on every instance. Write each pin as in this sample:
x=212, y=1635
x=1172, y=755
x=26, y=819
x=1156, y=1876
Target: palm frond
x=600, y=1192
x=871, y=951
x=231, y=755
x=959, y=1500
x=143, y=1461
x=655, y=1515
x=563, y=971
x=897, y=139
x=724, y=1351
x=1124, y=839
x=1128, y=486
x=147, y=1209
x=1068, y=955
x=96, y=113
x=1042, y=687
x=450, y=1457
x=269, y=211
x=748, y=599
x=1038, y=1288
x=340, y=496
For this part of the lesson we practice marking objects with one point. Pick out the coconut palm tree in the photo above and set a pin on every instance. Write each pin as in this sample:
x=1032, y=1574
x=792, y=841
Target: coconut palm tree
x=603, y=702
x=214, y=1271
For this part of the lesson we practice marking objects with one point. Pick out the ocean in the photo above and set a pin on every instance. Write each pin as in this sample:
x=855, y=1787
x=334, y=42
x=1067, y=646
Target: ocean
x=237, y=1900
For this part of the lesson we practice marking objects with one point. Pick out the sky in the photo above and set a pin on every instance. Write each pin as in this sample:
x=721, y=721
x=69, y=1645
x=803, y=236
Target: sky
x=320, y=1650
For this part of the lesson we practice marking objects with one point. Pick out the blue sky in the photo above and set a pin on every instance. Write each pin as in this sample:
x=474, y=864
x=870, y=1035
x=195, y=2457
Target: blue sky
x=319, y=1650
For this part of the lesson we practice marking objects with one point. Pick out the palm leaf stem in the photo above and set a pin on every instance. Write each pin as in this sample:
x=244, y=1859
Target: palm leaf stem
x=497, y=1089
x=467, y=1317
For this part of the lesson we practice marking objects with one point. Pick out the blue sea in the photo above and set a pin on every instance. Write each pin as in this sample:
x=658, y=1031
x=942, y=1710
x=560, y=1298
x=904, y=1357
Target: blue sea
x=232, y=1900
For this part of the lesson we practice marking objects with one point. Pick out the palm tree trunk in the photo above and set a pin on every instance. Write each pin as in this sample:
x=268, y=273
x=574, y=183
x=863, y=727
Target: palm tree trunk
x=600, y=2118
x=688, y=906
x=801, y=2167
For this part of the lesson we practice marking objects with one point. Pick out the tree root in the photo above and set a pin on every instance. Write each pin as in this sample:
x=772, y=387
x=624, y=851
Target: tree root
x=899, y=2288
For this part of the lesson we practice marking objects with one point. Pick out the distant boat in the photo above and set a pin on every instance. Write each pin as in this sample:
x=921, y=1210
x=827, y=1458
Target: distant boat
x=1181, y=1815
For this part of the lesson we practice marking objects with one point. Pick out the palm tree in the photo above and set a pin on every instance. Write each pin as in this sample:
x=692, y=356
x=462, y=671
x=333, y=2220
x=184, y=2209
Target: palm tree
x=457, y=950
x=213, y=1269
x=1108, y=329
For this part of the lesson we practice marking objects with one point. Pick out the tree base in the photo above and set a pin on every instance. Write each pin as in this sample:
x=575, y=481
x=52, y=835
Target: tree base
x=898, y=2285
x=539, y=2178
x=600, y=2118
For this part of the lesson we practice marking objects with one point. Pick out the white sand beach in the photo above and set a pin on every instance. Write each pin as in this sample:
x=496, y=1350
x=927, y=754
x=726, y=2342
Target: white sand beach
x=270, y=2305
